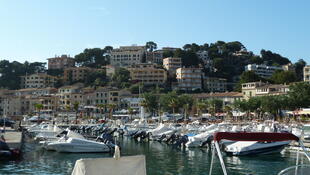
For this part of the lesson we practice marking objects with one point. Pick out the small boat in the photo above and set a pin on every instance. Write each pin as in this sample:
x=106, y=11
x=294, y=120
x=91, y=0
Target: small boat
x=77, y=145
x=250, y=137
x=254, y=147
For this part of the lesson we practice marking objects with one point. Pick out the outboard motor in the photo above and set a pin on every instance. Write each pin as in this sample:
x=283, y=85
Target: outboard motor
x=183, y=140
x=208, y=141
x=162, y=137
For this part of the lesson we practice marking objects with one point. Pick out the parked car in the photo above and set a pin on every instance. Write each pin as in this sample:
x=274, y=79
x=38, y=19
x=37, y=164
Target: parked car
x=7, y=122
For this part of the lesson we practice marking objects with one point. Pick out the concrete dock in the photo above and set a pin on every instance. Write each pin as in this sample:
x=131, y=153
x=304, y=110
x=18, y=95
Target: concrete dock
x=13, y=138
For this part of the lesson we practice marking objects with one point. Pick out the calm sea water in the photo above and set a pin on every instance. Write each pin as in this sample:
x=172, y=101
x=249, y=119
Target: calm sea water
x=161, y=159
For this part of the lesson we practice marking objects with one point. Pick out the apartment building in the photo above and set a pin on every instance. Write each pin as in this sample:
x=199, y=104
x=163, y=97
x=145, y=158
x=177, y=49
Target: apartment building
x=171, y=65
x=272, y=89
x=105, y=95
x=307, y=73
x=127, y=55
x=214, y=84
x=68, y=95
x=38, y=80
x=154, y=57
x=189, y=78
x=262, y=70
x=249, y=89
x=60, y=62
x=35, y=91
x=148, y=73
x=132, y=102
x=227, y=97
x=74, y=74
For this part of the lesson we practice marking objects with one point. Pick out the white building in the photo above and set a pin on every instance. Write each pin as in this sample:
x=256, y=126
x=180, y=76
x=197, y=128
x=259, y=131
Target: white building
x=307, y=73
x=127, y=55
x=203, y=55
x=262, y=70
x=171, y=65
x=189, y=78
x=132, y=102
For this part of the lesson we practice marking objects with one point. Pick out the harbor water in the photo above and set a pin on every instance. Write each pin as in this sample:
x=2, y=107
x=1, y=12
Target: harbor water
x=161, y=159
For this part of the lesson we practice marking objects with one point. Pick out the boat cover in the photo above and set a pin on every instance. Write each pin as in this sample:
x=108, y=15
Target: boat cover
x=254, y=136
x=127, y=165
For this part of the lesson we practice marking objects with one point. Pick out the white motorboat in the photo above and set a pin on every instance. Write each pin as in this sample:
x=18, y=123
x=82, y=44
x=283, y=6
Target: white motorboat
x=69, y=134
x=249, y=137
x=200, y=139
x=77, y=145
x=254, y=147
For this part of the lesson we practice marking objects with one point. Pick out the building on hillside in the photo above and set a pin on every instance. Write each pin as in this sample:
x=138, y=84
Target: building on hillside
x=171, y=65
x=148, y=74
x=307, y=73
x=242, y=52
x=38, y=80
x=105, y=95
x=127, y=55
x=110, y=70
x=66, y=93
x=228, y=98
x=171, y=49
x=154, y=57
x=214, y=84
x=272, y=89
x=262, y=70
x=131, y=102
x=189, y=78
x=74, y=74
x=60, y=62
x=289, y=67
x=207, y=62
x=36, y=91
x=249, y=89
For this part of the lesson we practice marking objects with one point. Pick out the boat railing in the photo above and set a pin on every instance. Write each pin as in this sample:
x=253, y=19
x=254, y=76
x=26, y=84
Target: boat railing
x=296, y=170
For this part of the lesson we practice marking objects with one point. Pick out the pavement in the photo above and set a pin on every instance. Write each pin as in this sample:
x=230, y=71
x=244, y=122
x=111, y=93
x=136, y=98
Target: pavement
x=12, y=137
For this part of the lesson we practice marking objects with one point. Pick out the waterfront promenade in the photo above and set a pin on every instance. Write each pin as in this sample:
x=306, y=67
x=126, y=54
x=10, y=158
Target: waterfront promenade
x=13, y=138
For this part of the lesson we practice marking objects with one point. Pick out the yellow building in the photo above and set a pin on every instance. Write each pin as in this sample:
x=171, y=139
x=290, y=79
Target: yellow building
x=38, y=80
x=127, y=55
x=74, y=74
x=148, y=73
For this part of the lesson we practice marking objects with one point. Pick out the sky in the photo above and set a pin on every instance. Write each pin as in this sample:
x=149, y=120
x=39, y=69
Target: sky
x=35, y=30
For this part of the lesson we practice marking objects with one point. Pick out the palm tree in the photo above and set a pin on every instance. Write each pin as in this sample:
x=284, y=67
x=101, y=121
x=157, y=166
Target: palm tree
x=228, y=111
x=101, y=107
x=200, y=107
x=38, y=107
x=130, y=111
x=68, y=108
x=186, y=108
x=173, y=103
x=76, y=109
x=111, y=107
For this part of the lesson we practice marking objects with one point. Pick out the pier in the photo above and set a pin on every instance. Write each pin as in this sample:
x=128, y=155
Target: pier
x=13, y=138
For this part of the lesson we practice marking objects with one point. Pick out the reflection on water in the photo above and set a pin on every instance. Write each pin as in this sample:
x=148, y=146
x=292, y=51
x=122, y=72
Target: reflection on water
x=160, y=159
